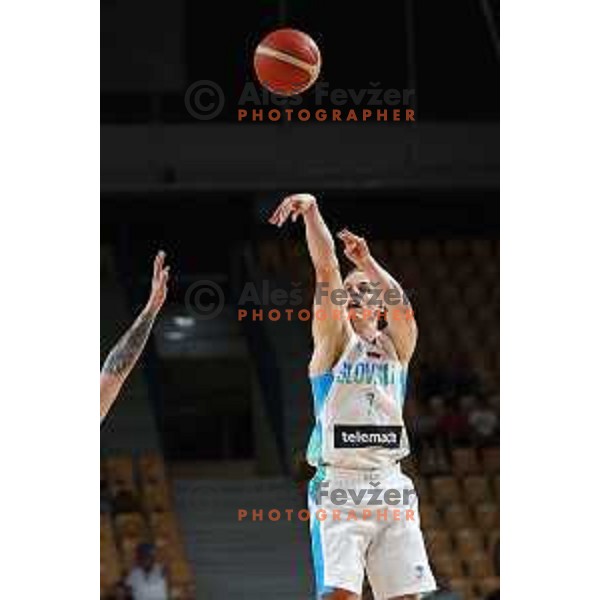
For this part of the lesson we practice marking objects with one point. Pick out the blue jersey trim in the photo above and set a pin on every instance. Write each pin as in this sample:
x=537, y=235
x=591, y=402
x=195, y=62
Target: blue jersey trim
x=321, y=385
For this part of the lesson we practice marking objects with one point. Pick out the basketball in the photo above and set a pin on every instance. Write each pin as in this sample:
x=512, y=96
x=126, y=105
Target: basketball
x=287, y=62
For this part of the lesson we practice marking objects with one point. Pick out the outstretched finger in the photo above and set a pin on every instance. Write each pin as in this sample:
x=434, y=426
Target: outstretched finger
x=347, y=235
x=159, y=259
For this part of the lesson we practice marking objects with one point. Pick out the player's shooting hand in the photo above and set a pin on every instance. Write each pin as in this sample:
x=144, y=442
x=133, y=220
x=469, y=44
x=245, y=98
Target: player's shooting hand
x=292, y=206
x=355, y=247
x=160, y=278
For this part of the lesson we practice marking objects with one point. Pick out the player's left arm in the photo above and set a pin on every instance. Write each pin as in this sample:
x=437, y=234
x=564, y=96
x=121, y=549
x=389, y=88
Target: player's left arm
x=126, y=352
x=401, y=325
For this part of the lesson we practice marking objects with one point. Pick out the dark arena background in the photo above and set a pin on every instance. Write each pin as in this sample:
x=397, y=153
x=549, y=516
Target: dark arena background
x=217, y=414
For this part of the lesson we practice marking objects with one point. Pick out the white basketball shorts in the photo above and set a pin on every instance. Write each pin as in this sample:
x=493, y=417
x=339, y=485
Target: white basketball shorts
x=367, y=521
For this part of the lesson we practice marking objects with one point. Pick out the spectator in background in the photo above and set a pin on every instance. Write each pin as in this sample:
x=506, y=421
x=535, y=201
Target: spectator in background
x=147, y=580
x=484, y=424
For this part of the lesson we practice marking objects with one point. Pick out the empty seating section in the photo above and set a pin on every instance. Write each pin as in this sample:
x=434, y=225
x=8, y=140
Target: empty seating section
x=453, y=286
x=138, y=509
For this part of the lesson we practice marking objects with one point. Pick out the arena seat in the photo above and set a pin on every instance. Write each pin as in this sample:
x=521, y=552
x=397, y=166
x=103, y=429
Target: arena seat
x=156, y=497
x=481, y=250
x=447, y=565
x=430, y=517
x=476, y=489
x=130, y=525
x=468, y=541
x=465, y=461
x=128, y=547
x=457, y=516
x=496, y=486
x=444, y=490
x=463, y=587
x=401, y=250
x=120, y=473
x=423, y=491
x=492, y=539
x=164, y=524
x=479, y=565
x=438, y=541
x=487, y=585
x=455, y=249
x=487, y=515
x=152, y=469
x=491, y=460
x=180, y=572
x=429, y=251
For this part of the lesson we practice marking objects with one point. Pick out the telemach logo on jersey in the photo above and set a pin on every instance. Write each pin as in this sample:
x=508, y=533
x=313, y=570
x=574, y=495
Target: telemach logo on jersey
x=367, y=436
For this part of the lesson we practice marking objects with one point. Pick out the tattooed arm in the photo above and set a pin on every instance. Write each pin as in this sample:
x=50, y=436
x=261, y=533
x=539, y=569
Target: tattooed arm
x=125, y=354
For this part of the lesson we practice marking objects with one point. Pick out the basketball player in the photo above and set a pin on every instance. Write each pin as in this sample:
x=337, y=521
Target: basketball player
x=125, y=354
x=358, y=374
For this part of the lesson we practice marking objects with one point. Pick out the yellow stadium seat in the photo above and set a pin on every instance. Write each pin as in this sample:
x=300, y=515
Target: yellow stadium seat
x=457, y=516
x=130, y=525
x=492, y=539
x=438, y=541
x=128, y=550
x=180, y=571
x=476, y=489
x=465, y=461
x=480, y=566
x=463, y=587
x=429, y=250
x=468, y=541
x=164, y=524
x=430, y=517
x=120, y=473
x=488, y=585
x=182, y=591
x=156, y=498
x=422, y=488
x=168, y=549
x=491, y=460
x=487, y=516
x=454, y=249
x=482, y=250
x=444, y=490
x=152, y=468
x=447, y=565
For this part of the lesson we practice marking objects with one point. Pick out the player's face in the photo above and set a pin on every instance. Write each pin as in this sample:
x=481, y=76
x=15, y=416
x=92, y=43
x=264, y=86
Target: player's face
x=360, y=296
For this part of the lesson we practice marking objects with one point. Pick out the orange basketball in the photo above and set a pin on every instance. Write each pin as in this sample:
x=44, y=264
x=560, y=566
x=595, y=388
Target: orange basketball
x=287, y=62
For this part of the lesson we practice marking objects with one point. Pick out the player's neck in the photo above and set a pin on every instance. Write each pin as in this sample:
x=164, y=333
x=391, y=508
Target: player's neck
x=367, y=330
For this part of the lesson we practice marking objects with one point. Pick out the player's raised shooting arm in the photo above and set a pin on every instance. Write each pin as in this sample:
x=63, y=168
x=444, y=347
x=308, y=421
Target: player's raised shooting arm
x=330, y=328
x=126, y=352
x=401, y=324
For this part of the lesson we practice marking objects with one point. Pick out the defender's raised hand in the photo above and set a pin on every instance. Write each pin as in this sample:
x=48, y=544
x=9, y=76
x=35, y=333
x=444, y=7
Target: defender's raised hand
x=160, y=278
x=292, y=206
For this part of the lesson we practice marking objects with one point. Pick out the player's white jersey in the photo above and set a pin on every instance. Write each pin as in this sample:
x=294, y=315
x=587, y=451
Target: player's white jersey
x=358, y=409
